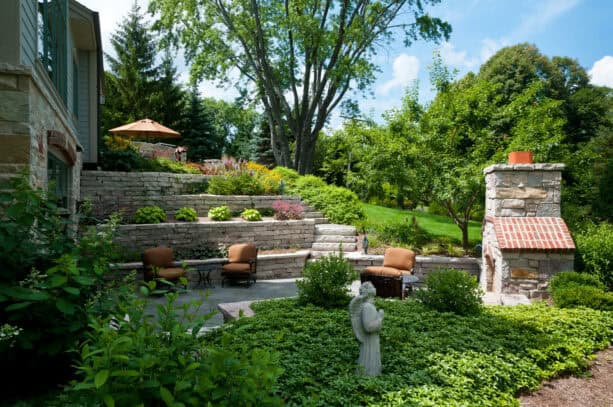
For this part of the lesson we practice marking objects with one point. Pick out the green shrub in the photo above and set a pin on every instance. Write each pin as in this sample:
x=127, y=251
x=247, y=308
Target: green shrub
x=150, y=214
x=187, y=214
x=166, y=165
x=595, y=251
x=405, y=233
x=575, y=295
x=449, y=290
x=288, y=175
x=162, y=361
x=220, y=213
x=50, y=285
x=120, y=160
x=566, y=278
x=241, y=184
x=326, y=282
x=338, y=204
x=251, y=215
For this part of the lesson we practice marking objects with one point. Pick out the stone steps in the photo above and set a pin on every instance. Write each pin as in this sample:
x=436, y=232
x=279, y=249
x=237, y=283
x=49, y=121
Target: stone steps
x=332, y=229
x=334, y=239
x=329, y=247
x=329, y=238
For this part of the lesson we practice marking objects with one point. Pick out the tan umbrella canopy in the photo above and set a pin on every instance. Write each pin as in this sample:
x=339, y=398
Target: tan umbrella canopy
x=145, y=128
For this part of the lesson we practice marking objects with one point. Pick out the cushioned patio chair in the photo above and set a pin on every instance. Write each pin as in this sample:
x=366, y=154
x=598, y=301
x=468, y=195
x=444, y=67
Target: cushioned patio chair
x=388, y=279
x=157, y=263
x=242, y=263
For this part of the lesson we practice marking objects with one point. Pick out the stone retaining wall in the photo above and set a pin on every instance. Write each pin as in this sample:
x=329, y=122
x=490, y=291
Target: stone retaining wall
x=270, y=266
x=110, y=191
x=423, y=264
x=265, y=234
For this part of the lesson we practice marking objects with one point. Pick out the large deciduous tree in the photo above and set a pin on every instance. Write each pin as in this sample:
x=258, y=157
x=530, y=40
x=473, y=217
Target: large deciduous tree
x=298, y=57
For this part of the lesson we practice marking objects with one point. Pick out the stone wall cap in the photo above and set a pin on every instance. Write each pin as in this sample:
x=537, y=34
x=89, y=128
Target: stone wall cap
x=7, y=68
x=525, y=167
x=446, y=259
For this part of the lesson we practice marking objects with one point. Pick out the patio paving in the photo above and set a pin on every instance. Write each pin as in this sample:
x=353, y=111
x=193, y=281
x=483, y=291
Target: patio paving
x=267, y=289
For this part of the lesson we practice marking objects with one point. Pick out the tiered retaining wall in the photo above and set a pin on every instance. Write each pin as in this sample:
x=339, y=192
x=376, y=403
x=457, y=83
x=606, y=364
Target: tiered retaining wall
x=128, y=191
x=264, y=234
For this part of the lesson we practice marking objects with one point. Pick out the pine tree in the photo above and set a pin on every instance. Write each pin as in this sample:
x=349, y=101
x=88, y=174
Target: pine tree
x=260, y=145
x=131, y=82
x=199, y=136
x=169, y=101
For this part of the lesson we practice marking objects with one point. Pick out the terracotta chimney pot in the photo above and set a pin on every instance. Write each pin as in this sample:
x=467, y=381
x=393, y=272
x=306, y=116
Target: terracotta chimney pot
x=520, y=157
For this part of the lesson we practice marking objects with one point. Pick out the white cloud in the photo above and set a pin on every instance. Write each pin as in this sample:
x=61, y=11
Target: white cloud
x=601, y=73
x=545, y=12
x=489, y=47
x=456, y=58
x=404, y=71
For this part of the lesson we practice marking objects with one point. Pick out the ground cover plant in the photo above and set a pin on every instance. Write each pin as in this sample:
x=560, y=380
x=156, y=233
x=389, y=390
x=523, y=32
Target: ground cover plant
x=429, y=358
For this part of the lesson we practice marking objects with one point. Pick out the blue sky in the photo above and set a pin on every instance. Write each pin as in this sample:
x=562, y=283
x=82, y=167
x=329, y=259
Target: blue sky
x=580, y=29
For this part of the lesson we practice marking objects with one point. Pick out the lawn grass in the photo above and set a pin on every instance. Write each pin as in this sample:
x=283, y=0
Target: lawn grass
x=436, y=225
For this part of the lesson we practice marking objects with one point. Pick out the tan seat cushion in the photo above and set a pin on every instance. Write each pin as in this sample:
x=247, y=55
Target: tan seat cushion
x=158, y=257
x=236, y=268
x=398, y=258
x=382, y=271
x=243, y=252
x=172, y=273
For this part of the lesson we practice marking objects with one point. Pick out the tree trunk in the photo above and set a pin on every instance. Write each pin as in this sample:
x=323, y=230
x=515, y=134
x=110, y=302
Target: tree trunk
x=279, y=145
x=305, y=154
x=464, y=228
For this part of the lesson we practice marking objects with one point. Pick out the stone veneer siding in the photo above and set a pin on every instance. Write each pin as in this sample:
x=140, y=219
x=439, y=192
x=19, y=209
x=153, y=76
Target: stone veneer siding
x=523, y=189
x=28, y=111
x=264, y=234
x=110, y=191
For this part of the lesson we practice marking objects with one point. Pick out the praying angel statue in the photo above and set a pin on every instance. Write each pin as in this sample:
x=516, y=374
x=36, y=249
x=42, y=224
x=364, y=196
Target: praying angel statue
x=366, y=322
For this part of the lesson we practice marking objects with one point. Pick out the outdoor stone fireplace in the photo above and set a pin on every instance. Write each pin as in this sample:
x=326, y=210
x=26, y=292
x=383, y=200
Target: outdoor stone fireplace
x=525, y=241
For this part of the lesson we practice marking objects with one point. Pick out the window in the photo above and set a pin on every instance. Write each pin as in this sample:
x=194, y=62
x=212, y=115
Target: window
x=59, y=176
x=52, y=47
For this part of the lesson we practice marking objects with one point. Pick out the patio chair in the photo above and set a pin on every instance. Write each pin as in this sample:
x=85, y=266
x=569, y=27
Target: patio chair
x=242, y=263
x=388, y=279
x=158, y=263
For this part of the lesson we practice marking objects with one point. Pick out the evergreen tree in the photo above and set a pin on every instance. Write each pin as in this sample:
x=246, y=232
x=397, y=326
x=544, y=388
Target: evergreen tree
x=261, y=150
x=131, y=82
x=199, y=135
x=169, y=100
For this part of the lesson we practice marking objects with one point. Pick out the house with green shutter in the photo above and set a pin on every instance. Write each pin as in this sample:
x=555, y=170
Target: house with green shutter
x=50, y=91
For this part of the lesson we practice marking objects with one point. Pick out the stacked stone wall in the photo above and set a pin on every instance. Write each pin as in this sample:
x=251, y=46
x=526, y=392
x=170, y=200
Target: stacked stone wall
x=423, y=264
x=523, y=189
x=111, y=191
x=264, y=234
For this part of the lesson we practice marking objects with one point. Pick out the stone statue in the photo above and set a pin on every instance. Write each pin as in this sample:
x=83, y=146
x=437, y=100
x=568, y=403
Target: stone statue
x=366, y=322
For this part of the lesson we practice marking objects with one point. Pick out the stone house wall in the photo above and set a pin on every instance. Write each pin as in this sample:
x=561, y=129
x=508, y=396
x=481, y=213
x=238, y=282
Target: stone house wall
x=30, y=116
x=264, y=234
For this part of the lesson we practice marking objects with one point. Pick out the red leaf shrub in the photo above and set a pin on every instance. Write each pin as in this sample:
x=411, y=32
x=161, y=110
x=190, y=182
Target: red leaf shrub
x=285, y=210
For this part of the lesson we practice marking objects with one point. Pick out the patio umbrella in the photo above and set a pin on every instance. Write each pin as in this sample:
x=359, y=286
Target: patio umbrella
x=145, y=128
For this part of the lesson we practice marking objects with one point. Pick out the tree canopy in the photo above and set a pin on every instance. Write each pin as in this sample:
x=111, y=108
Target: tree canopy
x=299, y=58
